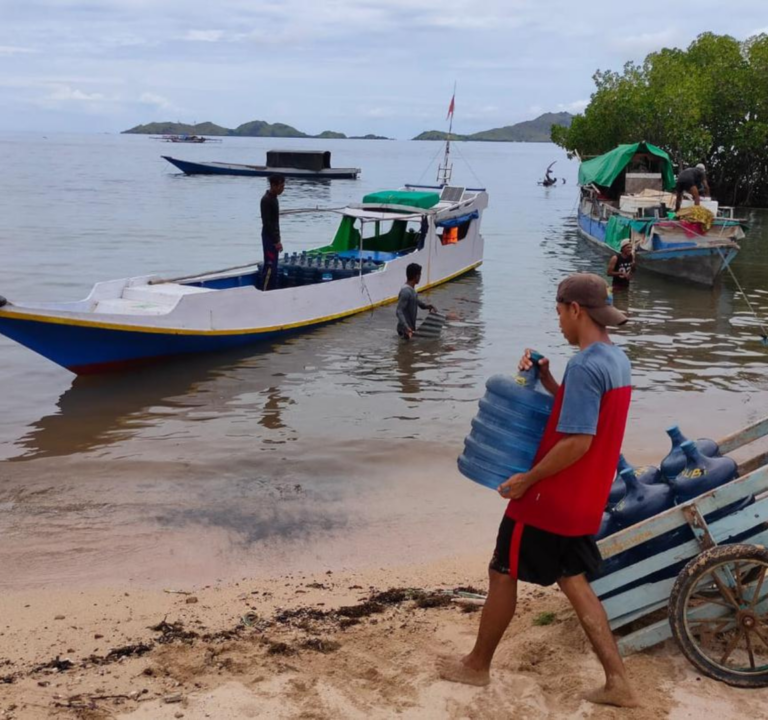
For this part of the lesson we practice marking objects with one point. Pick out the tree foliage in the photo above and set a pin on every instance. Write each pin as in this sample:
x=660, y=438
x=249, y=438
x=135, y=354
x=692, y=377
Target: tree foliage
x=707, y=104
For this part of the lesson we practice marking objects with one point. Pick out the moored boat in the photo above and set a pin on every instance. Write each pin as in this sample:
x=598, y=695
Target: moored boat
x=309, y=164
x=145, y=319
x=629, y=193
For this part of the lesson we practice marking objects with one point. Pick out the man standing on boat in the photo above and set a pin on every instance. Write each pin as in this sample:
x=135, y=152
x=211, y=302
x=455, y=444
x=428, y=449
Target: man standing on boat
x=408, y=302
x=547, y=532
x=694, y=181
x=270, y=231
x=621, y=266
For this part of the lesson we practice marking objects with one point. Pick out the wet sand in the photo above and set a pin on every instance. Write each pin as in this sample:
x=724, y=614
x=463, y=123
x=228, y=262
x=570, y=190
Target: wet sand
x=314, y=646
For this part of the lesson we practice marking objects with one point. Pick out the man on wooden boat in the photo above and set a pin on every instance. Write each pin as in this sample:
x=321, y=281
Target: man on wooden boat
x=694, y=181
x=621, y=266
x=547, y=533
x=408, y=302
x=270, y=231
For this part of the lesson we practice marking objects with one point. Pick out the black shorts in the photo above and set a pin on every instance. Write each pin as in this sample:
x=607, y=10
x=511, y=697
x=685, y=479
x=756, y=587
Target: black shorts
x=540, y=557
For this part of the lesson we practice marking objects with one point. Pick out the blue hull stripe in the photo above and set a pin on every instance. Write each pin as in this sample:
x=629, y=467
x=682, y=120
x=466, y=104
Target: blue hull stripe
x=88, y=350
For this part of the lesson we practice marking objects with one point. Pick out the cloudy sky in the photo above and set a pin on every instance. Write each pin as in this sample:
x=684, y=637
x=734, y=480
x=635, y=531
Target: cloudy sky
x=357, y=66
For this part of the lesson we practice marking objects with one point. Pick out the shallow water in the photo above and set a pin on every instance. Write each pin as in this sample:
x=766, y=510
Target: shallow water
x=342, y=437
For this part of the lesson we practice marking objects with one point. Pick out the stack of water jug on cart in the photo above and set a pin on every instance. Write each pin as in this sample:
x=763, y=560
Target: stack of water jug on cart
x=309, y=268
x=505, y=436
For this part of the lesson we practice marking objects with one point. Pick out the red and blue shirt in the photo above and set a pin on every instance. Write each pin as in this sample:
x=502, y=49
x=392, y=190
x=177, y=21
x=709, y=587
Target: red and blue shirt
x=593, y=399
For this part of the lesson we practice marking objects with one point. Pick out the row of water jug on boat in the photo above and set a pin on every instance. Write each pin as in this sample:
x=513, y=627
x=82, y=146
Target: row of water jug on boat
x=507, y=430
x=304, y=268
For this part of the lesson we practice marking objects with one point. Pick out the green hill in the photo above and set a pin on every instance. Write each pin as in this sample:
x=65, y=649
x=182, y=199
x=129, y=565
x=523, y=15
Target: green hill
x=174, y=128
x=537, y=130
x=255, y=128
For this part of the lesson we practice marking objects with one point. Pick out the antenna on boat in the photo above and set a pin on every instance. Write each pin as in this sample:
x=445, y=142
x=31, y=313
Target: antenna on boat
x=444, y=171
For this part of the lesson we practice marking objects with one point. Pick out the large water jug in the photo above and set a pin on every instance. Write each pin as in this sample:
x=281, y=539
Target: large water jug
x=701, y=474
x=608, y=526
x=641, y=501
x=646, y=474
x=508, y=427
x=675, y=462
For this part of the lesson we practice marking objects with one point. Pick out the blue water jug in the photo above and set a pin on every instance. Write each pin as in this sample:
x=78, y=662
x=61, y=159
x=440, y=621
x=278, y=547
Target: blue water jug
x=608, y=526
x=641, y=501
x=507, y=430
x=646, y=474
x=701, y=474
x=675, y=462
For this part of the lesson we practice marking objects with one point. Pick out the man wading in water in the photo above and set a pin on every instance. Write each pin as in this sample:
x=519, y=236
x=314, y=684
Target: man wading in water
x=408, y=302
x=546, y=535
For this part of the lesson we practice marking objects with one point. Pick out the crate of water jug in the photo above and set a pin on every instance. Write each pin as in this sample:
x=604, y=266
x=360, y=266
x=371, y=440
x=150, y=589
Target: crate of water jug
x=508, y=427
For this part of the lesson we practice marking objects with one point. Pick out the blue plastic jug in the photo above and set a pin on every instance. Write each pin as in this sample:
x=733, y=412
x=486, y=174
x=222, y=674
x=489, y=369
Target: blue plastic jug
x=507, y=430
x=608, y=526
x=641, y=501
x=646, y=474
x=701, y=474
x=675, y=462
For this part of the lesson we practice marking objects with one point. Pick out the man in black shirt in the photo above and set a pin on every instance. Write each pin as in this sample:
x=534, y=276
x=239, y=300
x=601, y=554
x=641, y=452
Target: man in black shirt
x=694, y=181
x=270, y=231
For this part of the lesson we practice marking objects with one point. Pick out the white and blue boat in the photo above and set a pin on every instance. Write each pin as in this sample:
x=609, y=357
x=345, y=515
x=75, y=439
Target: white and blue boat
x=628, y=193
x=137, y=320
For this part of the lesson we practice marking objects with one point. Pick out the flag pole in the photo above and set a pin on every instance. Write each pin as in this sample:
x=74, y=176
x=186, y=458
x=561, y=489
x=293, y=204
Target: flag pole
x=444, y=173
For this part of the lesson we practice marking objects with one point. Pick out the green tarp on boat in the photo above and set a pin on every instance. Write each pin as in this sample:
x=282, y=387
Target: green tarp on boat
x=604, y=169
x=423, y=200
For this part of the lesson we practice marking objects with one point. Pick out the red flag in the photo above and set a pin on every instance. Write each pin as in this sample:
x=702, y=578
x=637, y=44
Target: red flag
x=451, y=106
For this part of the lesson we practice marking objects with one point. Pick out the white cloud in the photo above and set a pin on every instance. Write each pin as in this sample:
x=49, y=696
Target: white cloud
x=13, y=50
x=210, y=36
x=65, y=93
x=575, y=107
x=644, y=43
x=157, y=101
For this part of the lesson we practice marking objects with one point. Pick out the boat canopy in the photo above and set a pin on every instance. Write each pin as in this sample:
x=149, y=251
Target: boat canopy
x=604, y=169
x=406, y=198
x=314, y=160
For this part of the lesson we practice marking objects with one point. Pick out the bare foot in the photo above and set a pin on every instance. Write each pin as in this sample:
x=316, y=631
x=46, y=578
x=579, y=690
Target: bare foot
x=618, y=693
x=455, y=669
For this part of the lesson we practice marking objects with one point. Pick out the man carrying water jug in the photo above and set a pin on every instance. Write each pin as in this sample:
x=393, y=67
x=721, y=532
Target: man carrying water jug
x=554, y=510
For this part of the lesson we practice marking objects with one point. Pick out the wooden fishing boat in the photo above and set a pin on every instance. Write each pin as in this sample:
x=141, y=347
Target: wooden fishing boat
x=148, y=318
x=309, y=164
x=627, y=193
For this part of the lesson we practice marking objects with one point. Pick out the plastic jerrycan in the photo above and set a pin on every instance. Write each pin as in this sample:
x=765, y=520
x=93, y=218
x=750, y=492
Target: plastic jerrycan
x=675, y=461
x=701, y=474
x=641, y=501
x=646, y=474
x=508, y=427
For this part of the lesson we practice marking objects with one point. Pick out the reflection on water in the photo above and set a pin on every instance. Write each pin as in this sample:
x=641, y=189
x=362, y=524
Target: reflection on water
x=273, y=385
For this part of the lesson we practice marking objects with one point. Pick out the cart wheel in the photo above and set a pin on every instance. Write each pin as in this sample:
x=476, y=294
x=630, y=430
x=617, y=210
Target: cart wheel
x=718, y=611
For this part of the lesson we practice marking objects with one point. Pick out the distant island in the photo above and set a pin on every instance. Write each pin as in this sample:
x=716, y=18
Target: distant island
x=537, y=130
x=255, y=128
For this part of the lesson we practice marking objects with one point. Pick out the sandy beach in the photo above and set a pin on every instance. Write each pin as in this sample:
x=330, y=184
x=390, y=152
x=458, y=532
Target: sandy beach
x=330, y=645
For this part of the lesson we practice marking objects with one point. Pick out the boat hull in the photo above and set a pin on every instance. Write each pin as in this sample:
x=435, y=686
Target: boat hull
x=701, y=264
x=89, y=347
x=215, y=168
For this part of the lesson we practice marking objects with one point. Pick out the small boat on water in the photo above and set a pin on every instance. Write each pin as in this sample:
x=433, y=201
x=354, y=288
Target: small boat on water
x=309, y=164
x=136, y=320
x=629, y=193
x=184, y=138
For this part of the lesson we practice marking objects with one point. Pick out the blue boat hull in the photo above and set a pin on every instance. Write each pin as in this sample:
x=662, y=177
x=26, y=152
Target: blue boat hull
x=192, y=168
x=90, y=349
x=699, y=264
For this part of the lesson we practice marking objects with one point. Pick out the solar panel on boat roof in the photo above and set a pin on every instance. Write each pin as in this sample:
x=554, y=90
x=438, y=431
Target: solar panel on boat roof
x=451, y=193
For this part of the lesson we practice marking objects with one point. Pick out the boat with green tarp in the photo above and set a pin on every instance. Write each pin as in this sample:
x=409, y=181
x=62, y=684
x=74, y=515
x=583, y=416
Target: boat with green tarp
x=629, y=193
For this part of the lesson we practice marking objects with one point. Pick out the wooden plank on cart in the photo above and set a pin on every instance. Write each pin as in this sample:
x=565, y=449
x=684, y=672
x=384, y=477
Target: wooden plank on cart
x=744, y=436
x=752, y=516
